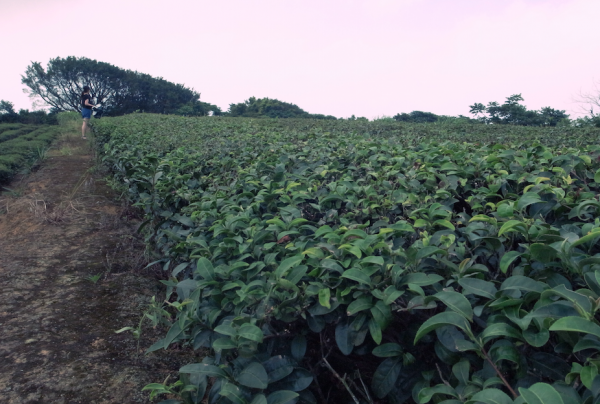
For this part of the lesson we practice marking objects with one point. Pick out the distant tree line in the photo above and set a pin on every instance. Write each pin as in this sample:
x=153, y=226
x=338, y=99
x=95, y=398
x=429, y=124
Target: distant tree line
x=123, y=91
x=509, y=113
x=513, y=113
x=9, y=115
x=428, y=117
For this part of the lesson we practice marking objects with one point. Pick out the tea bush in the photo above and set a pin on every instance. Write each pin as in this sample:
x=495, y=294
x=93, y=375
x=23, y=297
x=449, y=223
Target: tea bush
x=20, y=145
x=10, y=126
x=370, y=262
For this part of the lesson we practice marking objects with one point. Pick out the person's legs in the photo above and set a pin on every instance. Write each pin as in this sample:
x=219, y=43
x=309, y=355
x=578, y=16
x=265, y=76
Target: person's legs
x=84, y=127
x=86, y=114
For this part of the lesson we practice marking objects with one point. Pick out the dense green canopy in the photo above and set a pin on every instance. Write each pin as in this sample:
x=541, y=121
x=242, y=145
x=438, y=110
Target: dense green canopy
x=271, y=108
x=121, y=91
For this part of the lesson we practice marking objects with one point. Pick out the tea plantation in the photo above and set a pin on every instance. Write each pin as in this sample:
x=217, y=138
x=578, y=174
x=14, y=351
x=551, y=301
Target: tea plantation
x=21, y=145
x=369, y=262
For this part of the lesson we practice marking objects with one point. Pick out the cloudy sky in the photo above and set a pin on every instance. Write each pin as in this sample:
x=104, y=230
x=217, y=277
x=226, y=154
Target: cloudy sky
x=340, y=57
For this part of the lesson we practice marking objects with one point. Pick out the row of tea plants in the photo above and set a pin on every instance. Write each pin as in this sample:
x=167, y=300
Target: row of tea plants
x=21, y=145
x=366, y=262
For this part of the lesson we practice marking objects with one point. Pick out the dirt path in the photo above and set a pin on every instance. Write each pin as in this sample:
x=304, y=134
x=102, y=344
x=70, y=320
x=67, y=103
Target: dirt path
x=60, y=226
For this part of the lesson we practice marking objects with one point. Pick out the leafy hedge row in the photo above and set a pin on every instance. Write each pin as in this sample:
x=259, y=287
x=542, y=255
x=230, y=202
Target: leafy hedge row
x=365, y=262
x=22, y=144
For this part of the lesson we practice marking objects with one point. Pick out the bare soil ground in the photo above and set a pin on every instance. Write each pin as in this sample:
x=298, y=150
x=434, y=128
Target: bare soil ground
x=59, y=226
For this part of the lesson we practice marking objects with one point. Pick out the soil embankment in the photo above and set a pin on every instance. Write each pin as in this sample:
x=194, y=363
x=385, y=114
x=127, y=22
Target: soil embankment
x=60, y=226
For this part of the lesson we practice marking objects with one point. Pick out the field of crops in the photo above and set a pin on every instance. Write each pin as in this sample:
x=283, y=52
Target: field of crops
x=370, y=262
x=22, y=145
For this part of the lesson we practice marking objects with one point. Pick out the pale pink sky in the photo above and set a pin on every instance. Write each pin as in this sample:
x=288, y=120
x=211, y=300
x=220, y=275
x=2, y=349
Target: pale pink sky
x=338, y=57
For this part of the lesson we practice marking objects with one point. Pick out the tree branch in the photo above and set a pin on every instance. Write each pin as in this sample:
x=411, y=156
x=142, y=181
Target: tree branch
x=487, y=357
x=340, y=379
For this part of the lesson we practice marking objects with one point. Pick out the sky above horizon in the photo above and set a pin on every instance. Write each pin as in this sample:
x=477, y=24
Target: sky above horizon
x=336, y=57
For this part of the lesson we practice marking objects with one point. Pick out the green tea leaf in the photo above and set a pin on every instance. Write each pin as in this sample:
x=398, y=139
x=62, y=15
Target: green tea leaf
x=254, y=375
x=203, y=369
x=440, y=320
x=538, y=339
x=385, y=376
x=478, y=287
x=388, y=350
x=287, y=264
x=251, y=332
x=298, y=381
x=593, y=237
x=357, y=275
x=223, y=343
x=499, y=330
x=372, y=260
x=233, y=393
x=323, y=230
x=421, y=279
x=512, y=226
x=490, y=396
x=428, y=251
x=461, y=371
x=444, y=223
x=298, y=347
x=527, y=199
x=456, y=302
x=587, y=375
x=324, y=297
x=507, y=259
x=541, y=393
x=505, y=210
x=278, y=367
x=259, y=399
x=226, y=329
x=375, y=331
x=427, y=394
x=205, y=269
x=345, y=335
x=576, y=324
x=542, y=252
x=360, y=304
x=520, y=282
x=281, y=397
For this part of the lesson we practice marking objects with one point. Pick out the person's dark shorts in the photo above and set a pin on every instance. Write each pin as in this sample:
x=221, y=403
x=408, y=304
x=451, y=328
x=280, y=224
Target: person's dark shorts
x=86, y=113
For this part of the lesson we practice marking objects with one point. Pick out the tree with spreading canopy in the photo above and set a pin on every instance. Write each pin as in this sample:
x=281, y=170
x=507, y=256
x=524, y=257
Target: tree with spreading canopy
x=120, y=91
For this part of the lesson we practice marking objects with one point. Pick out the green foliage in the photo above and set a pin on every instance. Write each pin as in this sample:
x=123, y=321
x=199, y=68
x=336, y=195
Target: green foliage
x=592, y=121
x=513, y=113
x=120, y=91
x=65, y=118
x=7, y=107
x=8, y=115
x=270, y=108
x=22, y=146
x=197, y=108
x=449, y=264
x=94, y=279
x=416, y=117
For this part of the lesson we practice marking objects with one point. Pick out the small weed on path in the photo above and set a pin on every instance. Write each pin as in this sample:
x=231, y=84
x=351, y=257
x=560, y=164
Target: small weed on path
x=94, y=278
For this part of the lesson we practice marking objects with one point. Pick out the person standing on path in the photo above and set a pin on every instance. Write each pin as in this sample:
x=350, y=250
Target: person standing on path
x=86, y=110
